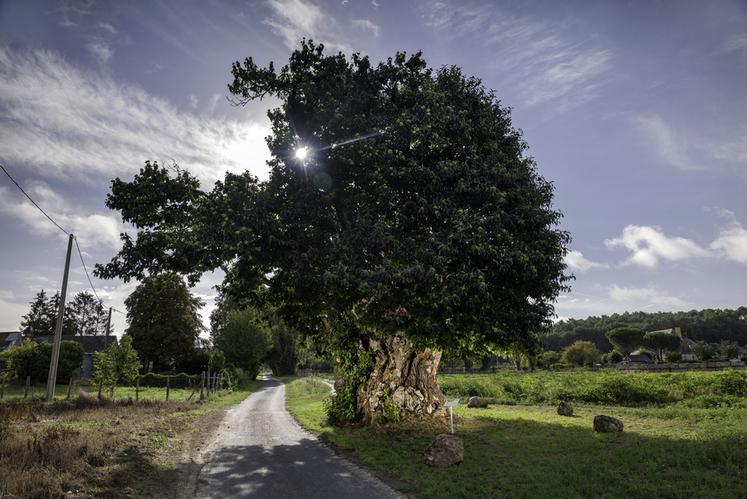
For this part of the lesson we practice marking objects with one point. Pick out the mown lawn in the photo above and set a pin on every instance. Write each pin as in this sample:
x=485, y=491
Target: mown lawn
x=530, y=451
x=91, y=448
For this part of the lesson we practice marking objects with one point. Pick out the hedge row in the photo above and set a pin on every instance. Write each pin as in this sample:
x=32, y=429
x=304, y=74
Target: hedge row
x=181, y=380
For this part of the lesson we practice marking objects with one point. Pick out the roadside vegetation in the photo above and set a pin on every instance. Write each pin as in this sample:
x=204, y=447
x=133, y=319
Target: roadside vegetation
x=678, y=447
x=86, y=447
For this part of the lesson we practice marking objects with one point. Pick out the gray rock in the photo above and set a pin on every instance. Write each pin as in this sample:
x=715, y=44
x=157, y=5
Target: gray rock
x=446, y=450
x=607, y=424
x=477, y=402
x=565, y=409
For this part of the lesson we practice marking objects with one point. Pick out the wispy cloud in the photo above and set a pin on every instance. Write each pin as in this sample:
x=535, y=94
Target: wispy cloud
x=645, y=298
x=736, y=43
x=618, y=299
x=546, y=61
x=59, y=119
x=576, y=261
x=293, y=20
x=688, y=151
x=366, y=25
x=100, y=50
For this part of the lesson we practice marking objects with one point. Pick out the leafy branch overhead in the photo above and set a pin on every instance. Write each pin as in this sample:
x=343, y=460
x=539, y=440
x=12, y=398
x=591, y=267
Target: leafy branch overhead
x=436, y=228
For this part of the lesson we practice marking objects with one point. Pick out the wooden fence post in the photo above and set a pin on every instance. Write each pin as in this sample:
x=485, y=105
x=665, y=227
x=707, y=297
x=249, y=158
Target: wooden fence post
x=2, y=390
x=27, y=387
x=69, y=388
x=137, y=389
x=202, y=387
x=168, y=387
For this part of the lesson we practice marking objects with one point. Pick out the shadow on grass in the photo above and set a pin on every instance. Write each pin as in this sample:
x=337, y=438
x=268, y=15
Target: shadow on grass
x=525, y=458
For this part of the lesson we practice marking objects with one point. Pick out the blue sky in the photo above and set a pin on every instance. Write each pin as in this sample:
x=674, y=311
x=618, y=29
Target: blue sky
x=637, y=111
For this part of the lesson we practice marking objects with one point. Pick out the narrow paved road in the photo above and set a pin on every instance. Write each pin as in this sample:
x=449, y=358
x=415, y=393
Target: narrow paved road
x=260, y=451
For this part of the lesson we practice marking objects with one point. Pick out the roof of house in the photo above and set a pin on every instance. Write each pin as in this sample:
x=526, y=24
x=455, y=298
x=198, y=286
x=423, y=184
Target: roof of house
x=639, y=356
x=8, y=337
x=90, y=344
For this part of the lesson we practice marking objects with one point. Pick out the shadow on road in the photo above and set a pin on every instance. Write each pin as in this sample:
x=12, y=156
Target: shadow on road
x=284, y=471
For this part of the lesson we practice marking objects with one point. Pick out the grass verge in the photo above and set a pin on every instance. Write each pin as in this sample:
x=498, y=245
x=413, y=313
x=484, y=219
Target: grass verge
x=90, y=448
x=529, y=451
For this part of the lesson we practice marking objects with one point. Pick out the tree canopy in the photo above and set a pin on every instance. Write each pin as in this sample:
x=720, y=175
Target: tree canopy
x=416, y=213
x=163, y=320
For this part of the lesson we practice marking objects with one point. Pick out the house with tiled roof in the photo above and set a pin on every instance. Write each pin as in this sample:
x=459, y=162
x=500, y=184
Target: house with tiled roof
x=686, y=348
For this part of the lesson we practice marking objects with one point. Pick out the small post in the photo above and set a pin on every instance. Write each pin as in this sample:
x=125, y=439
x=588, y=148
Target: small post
x=168, y=387
x=208, y=381
x=137, y=389
x=27, y=388
x=202, y=387
x=450, y=404
x=2, y=389
x=69, y=388
x=99, y=394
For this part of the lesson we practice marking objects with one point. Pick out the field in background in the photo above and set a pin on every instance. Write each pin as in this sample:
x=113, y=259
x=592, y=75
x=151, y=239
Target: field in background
x=89, y=448
x=607, y=386
x=667, y=450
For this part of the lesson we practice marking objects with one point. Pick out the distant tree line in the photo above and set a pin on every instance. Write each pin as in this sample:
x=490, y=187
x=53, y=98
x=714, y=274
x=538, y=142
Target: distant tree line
x=84, y=315
x=706, y=326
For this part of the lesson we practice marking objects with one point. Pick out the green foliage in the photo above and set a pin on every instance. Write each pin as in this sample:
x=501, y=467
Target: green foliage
x=33, y=358
x=709, y=325
x=673, y=356
x=625, y=339
x=217, y=361
x=437, y=227
x=661, y=342
x=89, y=314
x=104, y=373
x=244, y=340
x=283, y=356
x=354, y=367
x=705, y=351
x=41, y=318
x=613, y=357
x=549, y=358
x=163, y=320
x=124, y=359
x=728, y=349
x=600, y=387
x=581, y=353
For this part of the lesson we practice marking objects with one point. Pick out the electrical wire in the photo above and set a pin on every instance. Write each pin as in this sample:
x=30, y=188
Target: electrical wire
x=32, y=201
x=80, y=254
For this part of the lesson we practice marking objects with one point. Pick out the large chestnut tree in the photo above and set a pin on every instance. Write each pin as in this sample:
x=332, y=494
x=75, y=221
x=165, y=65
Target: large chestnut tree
x=415, y=222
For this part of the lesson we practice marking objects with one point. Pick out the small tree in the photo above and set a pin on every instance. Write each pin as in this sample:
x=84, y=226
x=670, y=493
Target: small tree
x=728, y=349
x=581, y=353
x=613, y=357
x=283, y=356
x=625, y=339
x=105, y=375
x=660, y=342
x=245, y=340
x=548, y=358
x=704, y=351
x=217, y=361
x=72, y=354
x=124, y=360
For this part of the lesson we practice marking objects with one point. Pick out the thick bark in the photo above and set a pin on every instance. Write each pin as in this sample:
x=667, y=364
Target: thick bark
x=402, y=383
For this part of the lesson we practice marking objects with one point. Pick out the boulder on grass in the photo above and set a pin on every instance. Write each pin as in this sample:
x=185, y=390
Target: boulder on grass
x=446, y=450
x=607, y=424
x=477, y=402
x=565, y=409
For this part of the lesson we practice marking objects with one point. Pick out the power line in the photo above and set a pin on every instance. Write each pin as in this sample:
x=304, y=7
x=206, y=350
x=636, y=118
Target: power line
x=32, y=201
x=80, y=254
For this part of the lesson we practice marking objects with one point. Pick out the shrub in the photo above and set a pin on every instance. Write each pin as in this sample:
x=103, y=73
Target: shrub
x=581, y=353
x=704, y=351
x=181, y=380
x=613, y=357
x=33, y=358
x=547, y=359
x=673, y=357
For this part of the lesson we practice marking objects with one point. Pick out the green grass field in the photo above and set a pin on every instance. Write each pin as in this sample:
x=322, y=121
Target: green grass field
x=15, y=391
x=668, y=450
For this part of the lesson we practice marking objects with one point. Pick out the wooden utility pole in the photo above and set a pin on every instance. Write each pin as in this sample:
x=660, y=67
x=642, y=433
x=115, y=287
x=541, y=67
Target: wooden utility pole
x=52, y=378
x=108, y=322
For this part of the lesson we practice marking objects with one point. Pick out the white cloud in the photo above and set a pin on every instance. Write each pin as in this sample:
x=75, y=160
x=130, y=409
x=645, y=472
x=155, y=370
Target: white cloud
x=193, y=101
x=731, y=242
x=578, y=262
x=92, y=230
x=108, y=28
x=61, y=120
x=101, y=51
x=366, y=25
x=546, y=61
x=648, y=245
x=293, y=20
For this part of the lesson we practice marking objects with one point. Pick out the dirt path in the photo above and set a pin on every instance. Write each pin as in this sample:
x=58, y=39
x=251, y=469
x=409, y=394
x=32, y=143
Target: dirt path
x=260, y=451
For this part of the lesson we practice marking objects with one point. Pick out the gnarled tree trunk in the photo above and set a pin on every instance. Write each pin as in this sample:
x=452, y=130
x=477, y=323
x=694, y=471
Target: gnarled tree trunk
x=402, y=383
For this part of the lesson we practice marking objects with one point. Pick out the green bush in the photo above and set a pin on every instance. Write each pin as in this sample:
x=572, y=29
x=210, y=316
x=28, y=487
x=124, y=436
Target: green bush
x=33, y=358
x=673, y=357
